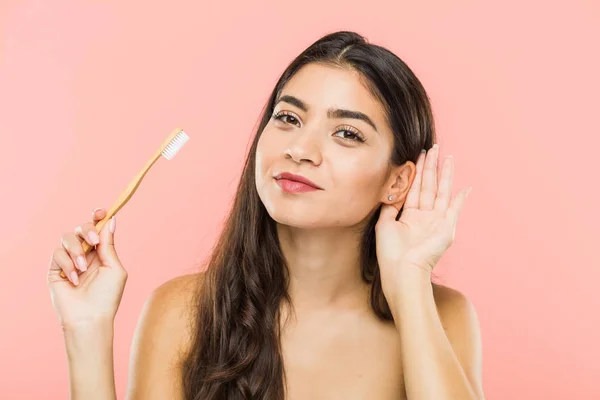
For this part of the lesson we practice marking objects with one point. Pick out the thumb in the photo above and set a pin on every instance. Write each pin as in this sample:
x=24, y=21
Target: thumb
x=388, y=212
x=106, y=248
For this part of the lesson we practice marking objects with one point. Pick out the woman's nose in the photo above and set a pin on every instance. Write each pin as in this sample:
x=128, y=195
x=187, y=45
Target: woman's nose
x=305, y=146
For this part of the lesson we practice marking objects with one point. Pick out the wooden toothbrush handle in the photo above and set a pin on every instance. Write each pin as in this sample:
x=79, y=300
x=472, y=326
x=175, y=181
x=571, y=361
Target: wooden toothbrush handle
x=118, y=204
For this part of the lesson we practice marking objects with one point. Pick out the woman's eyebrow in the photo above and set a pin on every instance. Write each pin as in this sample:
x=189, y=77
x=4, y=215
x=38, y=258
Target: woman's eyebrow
x=337, y=113
x=331, y=113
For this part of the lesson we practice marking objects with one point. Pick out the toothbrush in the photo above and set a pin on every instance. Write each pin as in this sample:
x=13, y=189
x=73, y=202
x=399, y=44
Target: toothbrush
x=168, y=150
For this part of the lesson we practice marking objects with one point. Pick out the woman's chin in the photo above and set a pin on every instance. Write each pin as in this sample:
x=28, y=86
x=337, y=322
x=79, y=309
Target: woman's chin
x=296, y=219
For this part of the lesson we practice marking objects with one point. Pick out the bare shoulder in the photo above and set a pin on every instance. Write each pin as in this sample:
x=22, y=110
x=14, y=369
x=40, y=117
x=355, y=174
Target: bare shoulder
x=452, y=303
x=161, y=338
x=174, y=295
x=169, y=308
x=456, y=312
x=459, y=319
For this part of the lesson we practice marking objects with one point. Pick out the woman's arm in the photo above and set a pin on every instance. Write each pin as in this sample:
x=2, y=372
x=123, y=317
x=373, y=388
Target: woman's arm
x=89, y=350
x=160, y=338
x=86, y=291
x=440, y=340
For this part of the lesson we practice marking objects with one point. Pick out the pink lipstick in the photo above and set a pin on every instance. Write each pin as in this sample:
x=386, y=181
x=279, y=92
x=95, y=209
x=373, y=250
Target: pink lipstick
x=292, y=183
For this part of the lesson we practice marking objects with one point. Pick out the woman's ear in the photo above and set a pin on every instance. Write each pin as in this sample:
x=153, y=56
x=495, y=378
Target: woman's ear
x=398, y=185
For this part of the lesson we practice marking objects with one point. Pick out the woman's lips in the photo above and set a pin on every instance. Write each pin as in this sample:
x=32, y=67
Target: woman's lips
x=292, y=183
x=294, y=186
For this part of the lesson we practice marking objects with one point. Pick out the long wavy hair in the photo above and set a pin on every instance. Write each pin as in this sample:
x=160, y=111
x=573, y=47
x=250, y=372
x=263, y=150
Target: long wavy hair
x=235, y=350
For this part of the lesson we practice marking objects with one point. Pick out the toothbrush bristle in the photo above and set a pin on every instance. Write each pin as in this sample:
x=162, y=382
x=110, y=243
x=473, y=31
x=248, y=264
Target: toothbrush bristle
x=175, y=145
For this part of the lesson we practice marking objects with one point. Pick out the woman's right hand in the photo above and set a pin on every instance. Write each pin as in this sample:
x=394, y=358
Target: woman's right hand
x=94, y=288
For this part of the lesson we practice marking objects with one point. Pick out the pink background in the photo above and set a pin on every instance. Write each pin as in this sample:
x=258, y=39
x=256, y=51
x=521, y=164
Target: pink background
x=89, y=89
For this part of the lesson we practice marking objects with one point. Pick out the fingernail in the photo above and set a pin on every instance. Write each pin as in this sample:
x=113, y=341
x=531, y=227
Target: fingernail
x=435, y=146
x=113, y=224
x=423, y=151
x=81, y=263
x=93, y=236
x=96, y=210
x=74, y=278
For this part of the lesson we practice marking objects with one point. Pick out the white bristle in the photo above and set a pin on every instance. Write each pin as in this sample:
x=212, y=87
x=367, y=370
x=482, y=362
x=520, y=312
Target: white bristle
x=175, y=145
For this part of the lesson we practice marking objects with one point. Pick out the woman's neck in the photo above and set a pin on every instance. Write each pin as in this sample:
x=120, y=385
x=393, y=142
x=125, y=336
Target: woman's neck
x=324, y=267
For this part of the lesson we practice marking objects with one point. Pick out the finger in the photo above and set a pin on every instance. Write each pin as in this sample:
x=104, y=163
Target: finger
x=429, y=184
x=88, y=232
x=444, y=194
x=412, y=199
x=61, y=261
x=72, y=244
x=458, y=202
x=98, y=214
x=388, y=211
x=106, y=249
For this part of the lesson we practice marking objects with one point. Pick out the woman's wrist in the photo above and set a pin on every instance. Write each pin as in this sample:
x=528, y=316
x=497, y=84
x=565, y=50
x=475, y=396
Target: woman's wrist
x=89, y=341
x=102, y=323
x=98, y=331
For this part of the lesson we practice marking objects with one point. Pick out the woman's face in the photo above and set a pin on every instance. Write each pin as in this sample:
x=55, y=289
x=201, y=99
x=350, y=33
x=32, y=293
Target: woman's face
x=328, y=128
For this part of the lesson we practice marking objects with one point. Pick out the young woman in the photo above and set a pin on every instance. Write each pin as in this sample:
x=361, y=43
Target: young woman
x=320, y=284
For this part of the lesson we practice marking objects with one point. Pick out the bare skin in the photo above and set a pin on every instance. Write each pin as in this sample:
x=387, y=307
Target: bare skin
x=328, y=354
x=333, y=345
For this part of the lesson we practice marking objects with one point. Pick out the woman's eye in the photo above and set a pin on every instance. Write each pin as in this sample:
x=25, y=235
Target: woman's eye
x=287, y=118
x=349, y=135
x=290, y=119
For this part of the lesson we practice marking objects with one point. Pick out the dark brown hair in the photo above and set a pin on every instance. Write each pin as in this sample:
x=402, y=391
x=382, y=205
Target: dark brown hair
x=235, y=348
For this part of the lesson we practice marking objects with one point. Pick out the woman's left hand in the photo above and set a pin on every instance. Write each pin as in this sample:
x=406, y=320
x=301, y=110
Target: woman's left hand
x=427, y=225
